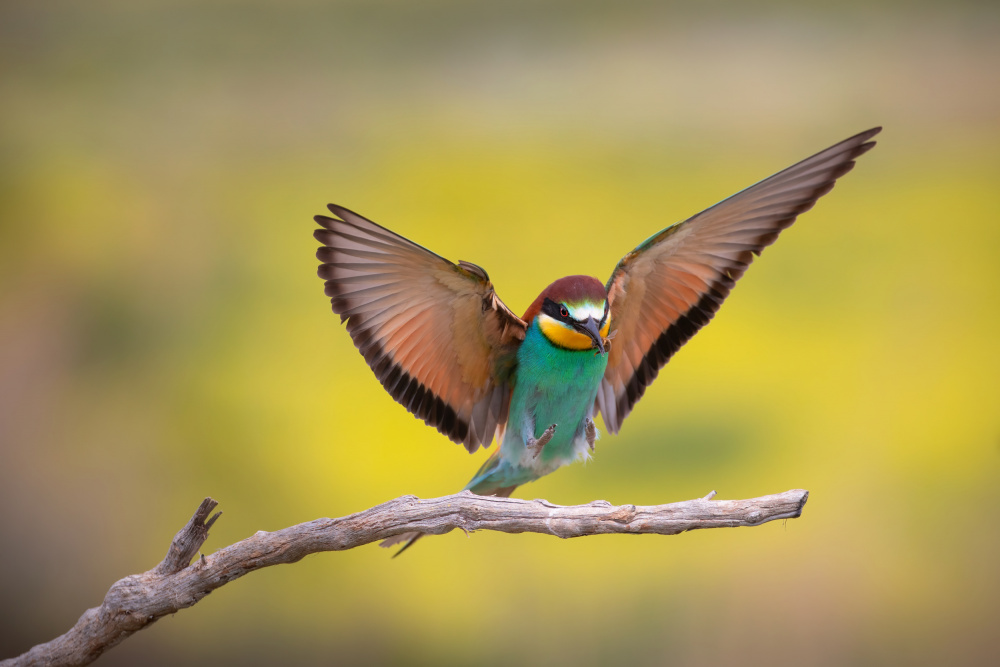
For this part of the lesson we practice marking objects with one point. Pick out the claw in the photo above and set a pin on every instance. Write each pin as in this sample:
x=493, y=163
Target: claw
x=591, y=433
x=536, y=445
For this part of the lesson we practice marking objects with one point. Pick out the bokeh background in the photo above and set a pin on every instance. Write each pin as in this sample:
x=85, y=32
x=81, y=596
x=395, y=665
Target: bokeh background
x=163, y=335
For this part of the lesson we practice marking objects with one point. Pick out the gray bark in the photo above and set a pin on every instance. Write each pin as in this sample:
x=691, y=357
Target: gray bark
x=138, y=600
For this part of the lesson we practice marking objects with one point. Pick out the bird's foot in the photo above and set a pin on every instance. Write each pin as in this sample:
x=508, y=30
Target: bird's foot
x=536, y=444
x=591, y=433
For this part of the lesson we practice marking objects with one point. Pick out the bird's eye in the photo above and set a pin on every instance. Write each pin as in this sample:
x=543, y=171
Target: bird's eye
x=563, y=312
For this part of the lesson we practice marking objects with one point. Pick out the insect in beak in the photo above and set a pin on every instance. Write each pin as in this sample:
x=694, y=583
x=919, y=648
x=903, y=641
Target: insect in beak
x=593, y=329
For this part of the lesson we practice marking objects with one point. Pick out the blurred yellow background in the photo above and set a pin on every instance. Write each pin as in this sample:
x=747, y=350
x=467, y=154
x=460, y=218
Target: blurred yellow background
x=163, y=334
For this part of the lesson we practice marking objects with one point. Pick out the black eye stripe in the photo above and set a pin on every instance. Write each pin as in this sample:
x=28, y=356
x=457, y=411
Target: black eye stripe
x=556, y=311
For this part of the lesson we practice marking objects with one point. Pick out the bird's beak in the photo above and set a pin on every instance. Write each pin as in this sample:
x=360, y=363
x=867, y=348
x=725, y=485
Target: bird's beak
x=593, y=329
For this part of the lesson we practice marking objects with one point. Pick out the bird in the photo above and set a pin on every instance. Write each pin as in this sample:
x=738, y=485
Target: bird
x=448, y=349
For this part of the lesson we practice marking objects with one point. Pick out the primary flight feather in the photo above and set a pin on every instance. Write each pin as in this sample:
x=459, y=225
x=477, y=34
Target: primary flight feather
x=445, y=346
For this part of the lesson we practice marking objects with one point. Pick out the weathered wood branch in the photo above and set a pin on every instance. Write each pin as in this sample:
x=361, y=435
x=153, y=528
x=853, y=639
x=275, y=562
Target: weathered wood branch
x=138, y=600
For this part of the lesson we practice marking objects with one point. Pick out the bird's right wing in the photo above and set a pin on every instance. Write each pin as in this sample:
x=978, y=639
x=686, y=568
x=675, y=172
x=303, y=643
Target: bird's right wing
x=670, y=286
x=435, y=333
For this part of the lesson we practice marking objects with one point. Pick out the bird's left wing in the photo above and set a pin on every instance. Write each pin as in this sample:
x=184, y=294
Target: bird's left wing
x=669, y=287
x=435, y=333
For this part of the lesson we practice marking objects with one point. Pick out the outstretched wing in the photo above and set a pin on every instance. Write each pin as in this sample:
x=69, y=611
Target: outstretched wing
x=435, y=333
x=662, y=292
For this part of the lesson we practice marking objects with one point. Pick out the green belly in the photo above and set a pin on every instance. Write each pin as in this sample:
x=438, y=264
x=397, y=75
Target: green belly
x=552, y=386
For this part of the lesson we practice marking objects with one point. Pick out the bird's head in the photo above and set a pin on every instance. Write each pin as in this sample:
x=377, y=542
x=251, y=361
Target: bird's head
x=573, y=313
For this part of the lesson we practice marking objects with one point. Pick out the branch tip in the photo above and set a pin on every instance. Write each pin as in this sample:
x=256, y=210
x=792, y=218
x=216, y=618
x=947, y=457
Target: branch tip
x=210, y=522
x=206, y=507
x=802, y=503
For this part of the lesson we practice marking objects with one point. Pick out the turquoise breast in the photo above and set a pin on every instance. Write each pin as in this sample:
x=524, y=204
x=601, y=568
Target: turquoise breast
x=552, y=386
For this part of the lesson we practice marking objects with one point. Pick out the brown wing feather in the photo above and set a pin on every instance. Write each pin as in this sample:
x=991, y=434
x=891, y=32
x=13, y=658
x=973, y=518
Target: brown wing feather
x=435, y=333
x=669, y=287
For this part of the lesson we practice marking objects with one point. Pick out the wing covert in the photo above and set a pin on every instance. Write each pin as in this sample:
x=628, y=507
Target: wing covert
x=672, y=284
x=435, y=333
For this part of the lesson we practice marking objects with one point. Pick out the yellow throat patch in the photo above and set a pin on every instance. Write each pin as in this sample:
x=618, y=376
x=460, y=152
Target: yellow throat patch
x=562, y=335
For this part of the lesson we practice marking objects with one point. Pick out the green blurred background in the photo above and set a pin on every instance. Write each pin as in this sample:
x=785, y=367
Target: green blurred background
x=163, y=335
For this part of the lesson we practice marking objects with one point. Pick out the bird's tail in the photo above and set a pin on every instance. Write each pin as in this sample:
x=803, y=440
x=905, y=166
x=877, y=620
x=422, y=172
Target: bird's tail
x=409, y=538
x=478, y=485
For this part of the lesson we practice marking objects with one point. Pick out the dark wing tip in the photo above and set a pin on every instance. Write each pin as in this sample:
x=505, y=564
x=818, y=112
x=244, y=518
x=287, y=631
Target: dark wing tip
x=861, y=137
x=341, y=215
x=347, y=215
x=868, y=134
x=863, y=145
x=864, y=148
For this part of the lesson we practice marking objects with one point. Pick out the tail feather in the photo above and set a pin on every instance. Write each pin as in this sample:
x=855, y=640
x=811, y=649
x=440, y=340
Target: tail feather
x=409, y=538
x=413, y=536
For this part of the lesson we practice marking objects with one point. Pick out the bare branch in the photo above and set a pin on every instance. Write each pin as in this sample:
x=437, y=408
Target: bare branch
x=140, y=599
x=189, y=539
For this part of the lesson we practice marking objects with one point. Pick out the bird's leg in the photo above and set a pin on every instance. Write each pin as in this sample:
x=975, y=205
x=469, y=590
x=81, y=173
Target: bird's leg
x=591, y=432
x=536, y=444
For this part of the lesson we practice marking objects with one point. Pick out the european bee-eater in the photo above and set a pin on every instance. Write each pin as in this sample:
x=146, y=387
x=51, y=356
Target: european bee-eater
x=445, y=346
